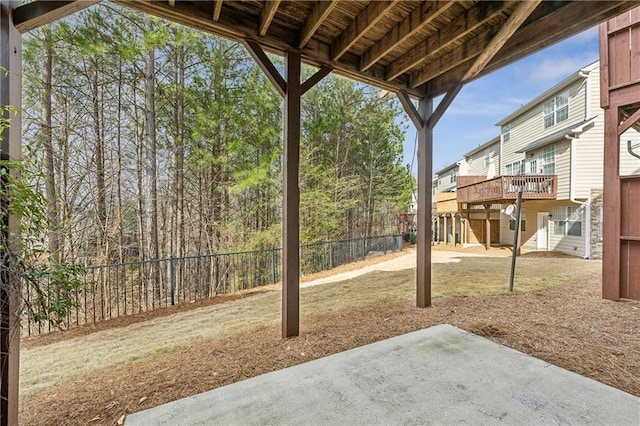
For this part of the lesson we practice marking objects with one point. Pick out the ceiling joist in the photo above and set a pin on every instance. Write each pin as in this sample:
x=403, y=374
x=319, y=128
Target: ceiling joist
x=465, y=23
x=268, y=12
x=217, y=9
x=320, y=12
x=517, y=18
x=412, y=24
x=373, y=13
x=36, y=14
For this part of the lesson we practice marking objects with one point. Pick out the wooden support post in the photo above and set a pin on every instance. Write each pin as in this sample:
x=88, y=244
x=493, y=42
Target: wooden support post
x=425, y=173
x=291, y=199
x=10, y=94
x=487, y=227
x=446, y=230
x=611, y=206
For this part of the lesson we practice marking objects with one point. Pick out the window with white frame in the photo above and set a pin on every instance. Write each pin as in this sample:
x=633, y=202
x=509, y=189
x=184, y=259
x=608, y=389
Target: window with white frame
x=487, y=157
x=515, y=168
x=549, y=160
x=556, y=110
x=453, y=175
x=533, y=166
x=506, y=132
x=567, y=221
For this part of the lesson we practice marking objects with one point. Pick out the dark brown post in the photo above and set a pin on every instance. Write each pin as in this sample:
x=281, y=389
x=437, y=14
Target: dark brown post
x=487, y=227
x=291, y=199
x=425, y=172
x=10, y=94
x=611, y=206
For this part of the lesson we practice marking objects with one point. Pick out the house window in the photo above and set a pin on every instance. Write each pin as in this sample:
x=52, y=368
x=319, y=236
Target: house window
x=556, y=110
x=515, y=168
x=533, y=166
x=567, y=221
x=523, y=223
x=453, y=175
x=487, y=157
x=506, y=133
x=549, y=160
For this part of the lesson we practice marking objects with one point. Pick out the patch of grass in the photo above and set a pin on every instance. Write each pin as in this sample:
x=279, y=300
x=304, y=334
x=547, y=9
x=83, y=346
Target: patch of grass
x=47, y=366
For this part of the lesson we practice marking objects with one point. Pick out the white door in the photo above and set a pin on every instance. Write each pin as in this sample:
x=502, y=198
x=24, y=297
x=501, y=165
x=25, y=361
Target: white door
x=542, y=234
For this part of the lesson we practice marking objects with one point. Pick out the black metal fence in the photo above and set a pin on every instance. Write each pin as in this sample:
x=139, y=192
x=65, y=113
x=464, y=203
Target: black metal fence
x=111, y=291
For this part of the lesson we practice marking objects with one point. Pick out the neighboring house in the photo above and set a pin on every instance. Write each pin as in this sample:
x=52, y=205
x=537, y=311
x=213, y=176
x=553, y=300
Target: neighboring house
x=552, y=147
x=447, y=221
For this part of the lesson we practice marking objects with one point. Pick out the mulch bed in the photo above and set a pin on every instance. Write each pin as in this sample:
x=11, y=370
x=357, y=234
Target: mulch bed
x=569, y=326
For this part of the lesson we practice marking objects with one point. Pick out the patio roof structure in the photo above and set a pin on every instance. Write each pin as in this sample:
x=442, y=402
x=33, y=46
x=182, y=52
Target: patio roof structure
x=416, y=49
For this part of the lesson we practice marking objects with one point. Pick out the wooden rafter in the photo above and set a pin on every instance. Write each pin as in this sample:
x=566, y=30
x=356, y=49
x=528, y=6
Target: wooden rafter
x=38, y=13
x=320, y=11
x=519, y=15
x=268, y=12
x=359, y=26
x=555, y=25
x=217, y=9
x=418, y=19
x=172, y=3
x=462, y=25
x=452, y=59
x=629, y=122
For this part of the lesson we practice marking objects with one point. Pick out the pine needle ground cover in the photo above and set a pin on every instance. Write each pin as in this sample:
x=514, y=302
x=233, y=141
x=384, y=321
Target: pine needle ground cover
x=556, y=314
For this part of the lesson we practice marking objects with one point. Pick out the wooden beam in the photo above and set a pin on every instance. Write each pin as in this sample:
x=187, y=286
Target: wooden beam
x=425, y=173
x=410, y=109
x=10, y=149
x=172, y=3
x=291, y=199
x=567, y=19
x=418, y=19
x=444, y=105
x=263, y=61
x=517, y=18
x=452, y=59
x=217, y=9
x=38, y=13
x=320, y=12
x=462, y=25
x=626, y=125
x=611, y=206
x=603, y=41
x=315, y=79
x=372, y=14
x=268, y=12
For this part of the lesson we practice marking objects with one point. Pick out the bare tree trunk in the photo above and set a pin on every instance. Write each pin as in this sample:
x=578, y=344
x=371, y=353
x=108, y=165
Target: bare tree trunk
x=47, y=142
x=101, y=204
x=151, y=199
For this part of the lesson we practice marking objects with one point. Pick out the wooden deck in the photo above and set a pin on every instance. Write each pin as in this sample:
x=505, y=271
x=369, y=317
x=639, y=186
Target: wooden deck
x=506, y=188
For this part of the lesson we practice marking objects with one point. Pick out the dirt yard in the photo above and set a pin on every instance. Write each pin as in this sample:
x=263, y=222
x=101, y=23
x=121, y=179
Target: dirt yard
x=97, y=375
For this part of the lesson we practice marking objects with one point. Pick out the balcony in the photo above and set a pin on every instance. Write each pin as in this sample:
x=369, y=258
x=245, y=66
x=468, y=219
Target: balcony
x=505, y=188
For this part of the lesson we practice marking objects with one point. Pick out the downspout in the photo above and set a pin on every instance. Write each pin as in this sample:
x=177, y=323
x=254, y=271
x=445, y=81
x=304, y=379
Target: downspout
x=586, y=205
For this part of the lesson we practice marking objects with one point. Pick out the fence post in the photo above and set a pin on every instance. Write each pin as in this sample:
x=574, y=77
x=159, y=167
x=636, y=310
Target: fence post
x=273, y=265
x=364, y=248
x=172, y=279
x=384, y=245
x=330, y=254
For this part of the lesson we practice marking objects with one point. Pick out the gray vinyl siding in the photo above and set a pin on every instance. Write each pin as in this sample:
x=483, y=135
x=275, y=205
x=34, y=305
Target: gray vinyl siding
x=529, y=126
x=568, y=244
x=589, y=146
x=476, y=164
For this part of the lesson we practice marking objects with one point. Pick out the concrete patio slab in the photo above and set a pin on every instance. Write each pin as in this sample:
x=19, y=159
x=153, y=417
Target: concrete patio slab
x=440, y=375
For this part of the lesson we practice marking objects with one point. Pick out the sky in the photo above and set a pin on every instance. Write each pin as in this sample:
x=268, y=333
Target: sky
x=471, y=118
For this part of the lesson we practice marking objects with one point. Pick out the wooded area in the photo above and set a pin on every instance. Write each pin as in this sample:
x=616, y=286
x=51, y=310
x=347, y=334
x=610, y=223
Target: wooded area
x=151, y=140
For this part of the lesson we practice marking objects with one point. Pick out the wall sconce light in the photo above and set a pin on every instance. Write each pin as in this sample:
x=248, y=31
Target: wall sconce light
x=549, y=216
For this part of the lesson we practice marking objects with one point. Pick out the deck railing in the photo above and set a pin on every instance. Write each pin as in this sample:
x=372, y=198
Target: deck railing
x=535, y=187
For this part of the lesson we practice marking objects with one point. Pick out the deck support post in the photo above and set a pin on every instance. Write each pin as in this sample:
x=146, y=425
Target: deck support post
x=291, y=88
x=10, y=148
x=425, y=173
x=291, y=199
x=487, y=227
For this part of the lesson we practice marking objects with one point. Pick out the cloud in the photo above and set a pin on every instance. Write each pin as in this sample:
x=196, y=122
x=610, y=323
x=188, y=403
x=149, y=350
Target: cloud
x=558, y=67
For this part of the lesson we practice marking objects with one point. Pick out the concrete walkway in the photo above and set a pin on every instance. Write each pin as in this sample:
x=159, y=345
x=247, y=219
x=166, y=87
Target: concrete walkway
x=440, y=375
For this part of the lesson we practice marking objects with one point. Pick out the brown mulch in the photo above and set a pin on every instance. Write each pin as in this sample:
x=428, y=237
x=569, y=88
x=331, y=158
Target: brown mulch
x=569, y=326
